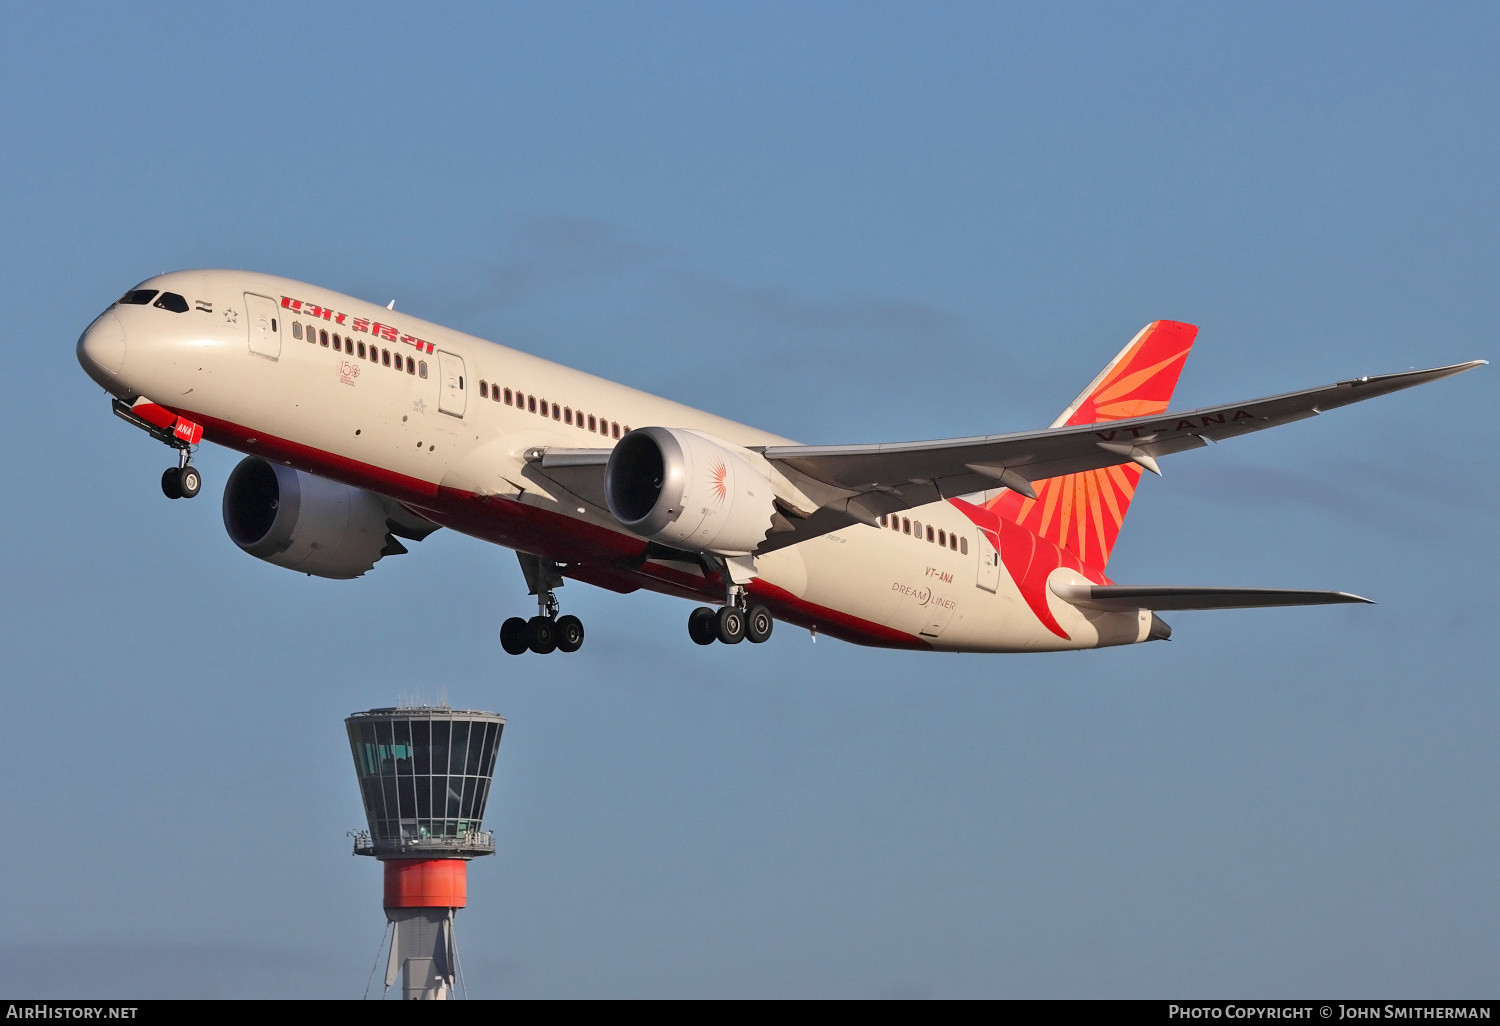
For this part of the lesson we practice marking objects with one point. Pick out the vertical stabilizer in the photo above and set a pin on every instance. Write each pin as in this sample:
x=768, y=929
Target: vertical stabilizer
x=1083, y=512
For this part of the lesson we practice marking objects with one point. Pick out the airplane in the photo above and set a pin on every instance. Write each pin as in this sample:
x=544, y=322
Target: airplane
x=365, y=428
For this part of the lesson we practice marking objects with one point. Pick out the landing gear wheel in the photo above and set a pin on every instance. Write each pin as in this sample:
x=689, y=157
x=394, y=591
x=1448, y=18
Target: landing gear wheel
x=513, y=636
x=171, y=485
x=189, y=481
x=702, y=626
x=758, y=624
x=569, y=633
x=541, y=634
x=730, y=624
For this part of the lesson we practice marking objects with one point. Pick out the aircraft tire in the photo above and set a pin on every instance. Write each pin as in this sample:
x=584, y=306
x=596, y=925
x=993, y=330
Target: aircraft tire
x=541, y=634
x=758, y=624
x=569, y=633
x=701, y=626
x=169, y=484
x=730, y=624
x=513, y=636
x=189, y=481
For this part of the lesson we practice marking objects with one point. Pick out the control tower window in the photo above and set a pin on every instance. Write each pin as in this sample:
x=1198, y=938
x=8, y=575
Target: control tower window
x=140, y=297
x=171, y=301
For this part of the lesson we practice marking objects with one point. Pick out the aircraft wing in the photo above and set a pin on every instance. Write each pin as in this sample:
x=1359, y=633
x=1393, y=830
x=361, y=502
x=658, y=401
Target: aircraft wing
x=1168, y=597
x=834, y=486
x=905, y=474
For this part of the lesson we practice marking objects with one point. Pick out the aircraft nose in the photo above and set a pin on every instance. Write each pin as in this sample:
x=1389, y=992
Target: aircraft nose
x=101, y=348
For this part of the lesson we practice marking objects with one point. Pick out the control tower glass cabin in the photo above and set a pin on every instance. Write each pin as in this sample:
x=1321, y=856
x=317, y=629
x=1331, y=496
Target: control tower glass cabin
x=424, y=774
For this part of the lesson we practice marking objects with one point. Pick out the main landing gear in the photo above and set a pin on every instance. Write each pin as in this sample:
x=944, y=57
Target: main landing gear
x=737, y=621
x=546, y=632
x=182, y=481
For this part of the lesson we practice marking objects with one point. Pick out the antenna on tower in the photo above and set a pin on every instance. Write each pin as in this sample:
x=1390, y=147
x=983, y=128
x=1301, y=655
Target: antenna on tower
x=424, y=773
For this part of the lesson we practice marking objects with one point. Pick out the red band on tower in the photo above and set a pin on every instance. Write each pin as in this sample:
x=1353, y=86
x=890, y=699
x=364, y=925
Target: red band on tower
x=426, y=883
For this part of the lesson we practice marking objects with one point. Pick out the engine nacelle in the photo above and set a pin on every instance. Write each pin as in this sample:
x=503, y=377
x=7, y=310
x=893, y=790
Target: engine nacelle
x=311, y=524
x=689, y=490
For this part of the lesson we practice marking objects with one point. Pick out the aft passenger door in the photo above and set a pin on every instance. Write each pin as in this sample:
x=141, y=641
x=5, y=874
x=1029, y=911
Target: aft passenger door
x=451, y=383
x=989, y=562
x=265, y=327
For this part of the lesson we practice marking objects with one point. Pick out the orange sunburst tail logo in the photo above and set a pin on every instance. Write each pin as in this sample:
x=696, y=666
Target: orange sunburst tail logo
x=719, y=481
x=1082, y=513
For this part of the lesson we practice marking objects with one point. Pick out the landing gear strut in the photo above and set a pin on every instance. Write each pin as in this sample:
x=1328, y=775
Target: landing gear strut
x=736, y=621
x=546, y=632
x=182, y=481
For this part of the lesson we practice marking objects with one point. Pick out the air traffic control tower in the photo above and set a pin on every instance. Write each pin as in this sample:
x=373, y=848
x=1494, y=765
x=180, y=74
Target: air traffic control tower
x=425, y=773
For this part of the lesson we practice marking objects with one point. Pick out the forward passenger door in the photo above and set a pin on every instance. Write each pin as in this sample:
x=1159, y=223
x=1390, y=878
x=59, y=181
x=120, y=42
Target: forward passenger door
x=265, y=328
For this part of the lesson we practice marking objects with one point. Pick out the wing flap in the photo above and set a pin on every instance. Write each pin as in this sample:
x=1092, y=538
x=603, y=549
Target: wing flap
x=1169, y=597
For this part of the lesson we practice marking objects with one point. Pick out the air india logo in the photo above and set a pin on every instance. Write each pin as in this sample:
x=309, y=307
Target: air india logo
x=719, y=475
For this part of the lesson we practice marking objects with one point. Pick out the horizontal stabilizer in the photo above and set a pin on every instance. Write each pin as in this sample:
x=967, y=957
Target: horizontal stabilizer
x=1160, y=597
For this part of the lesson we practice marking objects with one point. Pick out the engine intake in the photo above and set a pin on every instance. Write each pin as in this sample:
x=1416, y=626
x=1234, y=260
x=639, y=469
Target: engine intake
x=690, y=490
x=311, y=524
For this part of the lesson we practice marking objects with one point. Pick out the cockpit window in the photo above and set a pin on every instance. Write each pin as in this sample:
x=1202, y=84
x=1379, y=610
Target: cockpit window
x=139, y=297
x=171, y=301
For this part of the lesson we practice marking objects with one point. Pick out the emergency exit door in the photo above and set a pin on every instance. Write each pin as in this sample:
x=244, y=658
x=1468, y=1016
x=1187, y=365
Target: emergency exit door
x=451, y=391
x=989, y=562
x=263, y=318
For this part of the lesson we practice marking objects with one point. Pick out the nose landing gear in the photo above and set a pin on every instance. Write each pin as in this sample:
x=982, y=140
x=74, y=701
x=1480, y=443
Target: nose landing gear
x=546, y=632
x=182, y=481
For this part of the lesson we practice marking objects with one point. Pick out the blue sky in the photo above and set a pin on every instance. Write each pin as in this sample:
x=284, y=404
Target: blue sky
x=841, y=222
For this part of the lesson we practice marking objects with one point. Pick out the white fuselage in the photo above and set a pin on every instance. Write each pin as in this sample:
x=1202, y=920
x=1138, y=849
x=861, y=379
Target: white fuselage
x=448, y=439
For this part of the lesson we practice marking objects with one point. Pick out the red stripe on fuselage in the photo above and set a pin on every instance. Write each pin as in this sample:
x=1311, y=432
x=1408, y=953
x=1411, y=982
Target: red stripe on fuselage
x=594, y=554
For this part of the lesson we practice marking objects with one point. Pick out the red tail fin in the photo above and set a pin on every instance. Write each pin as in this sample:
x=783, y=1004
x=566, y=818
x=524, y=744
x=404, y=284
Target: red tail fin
x=1083, y=512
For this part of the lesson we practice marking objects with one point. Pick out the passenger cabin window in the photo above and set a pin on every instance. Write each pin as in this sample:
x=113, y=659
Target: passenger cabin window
x=421, y=368
x=616, y=428
x=361, y=350
x=507, y=397
x=963, y=546
x=567, y=414
x=929, y=533
x=296, y=329
x=411, y=368
x=905, y=526
x=953, y=542
x=531, y=403
x=138, y=297
x=171, y=301
x=338, y=343
x=556, y=412
x=385, y=357
x=323, y=338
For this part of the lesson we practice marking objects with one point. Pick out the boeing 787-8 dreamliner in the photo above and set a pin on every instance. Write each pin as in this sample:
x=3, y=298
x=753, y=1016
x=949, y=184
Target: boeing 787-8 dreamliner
x=365, y=427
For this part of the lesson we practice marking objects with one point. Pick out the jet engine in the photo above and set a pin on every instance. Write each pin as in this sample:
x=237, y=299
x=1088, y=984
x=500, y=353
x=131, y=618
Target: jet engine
x=690, y=490
x=311, y=524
